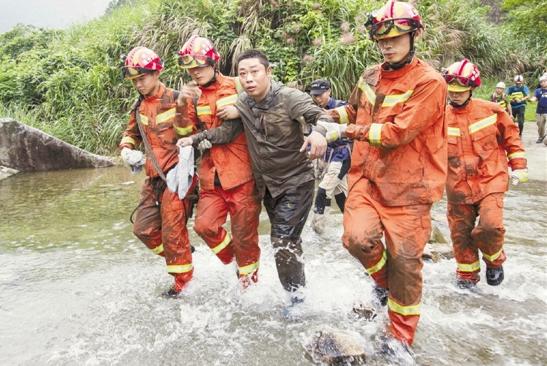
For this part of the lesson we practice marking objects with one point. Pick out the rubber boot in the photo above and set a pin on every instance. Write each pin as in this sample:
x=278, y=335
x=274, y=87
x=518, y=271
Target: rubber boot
x=290, y=267
x=340, y=200
x=465, y=284
x=494, y=276
x=181, y=281
x=380, y=296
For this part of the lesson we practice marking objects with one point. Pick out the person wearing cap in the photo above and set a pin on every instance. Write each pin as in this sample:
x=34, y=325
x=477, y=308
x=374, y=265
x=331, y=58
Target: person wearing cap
x=540, y=96
x=161, y=216
x=398, y=166
x=227, y=186
x=501, y=98
x=336, y=160
x=482, y=142
x=518, y=95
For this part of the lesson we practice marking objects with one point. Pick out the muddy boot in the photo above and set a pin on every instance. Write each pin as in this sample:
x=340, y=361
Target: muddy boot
x=181, y=281
x=494, y=276
x=380, y=296
x=465, y=284
x=340, y=200
x=395, y=351
x=319, y=221
x=290, y=267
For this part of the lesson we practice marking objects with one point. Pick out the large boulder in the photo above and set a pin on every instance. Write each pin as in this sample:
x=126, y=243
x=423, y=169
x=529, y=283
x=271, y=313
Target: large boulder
x=25, y=149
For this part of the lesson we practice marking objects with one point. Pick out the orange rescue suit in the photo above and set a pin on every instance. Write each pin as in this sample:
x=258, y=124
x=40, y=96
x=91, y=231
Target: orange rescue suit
x=226, y=182
x=160, y=217
x=398, y=168
x=482, y=142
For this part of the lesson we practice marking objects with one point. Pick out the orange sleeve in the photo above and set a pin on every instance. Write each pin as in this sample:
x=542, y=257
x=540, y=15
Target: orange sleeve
x=423, y=109
x=131, y=136
x=185, y=119
x=511, y=141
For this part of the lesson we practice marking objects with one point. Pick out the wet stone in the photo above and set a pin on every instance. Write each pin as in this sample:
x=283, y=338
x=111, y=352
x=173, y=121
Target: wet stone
x=336, y=347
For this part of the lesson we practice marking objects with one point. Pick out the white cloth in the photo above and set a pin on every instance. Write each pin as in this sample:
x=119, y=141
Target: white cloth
x=179, y=179
x=132, y=157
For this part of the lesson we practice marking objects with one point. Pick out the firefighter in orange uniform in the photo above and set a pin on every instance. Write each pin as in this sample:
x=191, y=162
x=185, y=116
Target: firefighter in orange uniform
x=482, y=138
x=398, y=167
x=226, y=181
x=160, y=218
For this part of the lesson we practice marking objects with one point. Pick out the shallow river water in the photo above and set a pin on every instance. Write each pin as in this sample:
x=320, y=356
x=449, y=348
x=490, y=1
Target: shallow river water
x=77, y=288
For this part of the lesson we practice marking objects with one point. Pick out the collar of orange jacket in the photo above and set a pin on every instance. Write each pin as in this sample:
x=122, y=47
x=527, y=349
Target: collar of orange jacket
x=394, y=74
x=160, y=90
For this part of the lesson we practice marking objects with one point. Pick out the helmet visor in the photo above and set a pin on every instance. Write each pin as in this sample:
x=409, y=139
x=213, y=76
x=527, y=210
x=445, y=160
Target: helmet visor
x=400, y=25
x=463, y=81
x=133, y=72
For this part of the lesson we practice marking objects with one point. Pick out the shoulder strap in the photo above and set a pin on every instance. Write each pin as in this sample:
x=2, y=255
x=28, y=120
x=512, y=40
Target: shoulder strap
x=147, y=148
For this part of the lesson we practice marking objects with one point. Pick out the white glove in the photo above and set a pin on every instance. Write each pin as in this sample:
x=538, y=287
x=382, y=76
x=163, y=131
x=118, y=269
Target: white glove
x=519, y=176
x=133, y=158
x=204, y=145
x=335, y=131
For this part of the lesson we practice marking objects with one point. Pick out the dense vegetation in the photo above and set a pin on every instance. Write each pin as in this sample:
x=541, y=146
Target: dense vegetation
x=68, y=83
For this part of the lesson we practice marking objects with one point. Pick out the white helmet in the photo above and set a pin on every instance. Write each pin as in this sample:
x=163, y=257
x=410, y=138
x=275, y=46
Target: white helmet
x=519, y=78
x=543, y=77
x=501, y=84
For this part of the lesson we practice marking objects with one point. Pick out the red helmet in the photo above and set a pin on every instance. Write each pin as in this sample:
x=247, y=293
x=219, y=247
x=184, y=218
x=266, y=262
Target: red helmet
x=139, y=61
x=462, y=76
x=198, y=52
x=392, y=20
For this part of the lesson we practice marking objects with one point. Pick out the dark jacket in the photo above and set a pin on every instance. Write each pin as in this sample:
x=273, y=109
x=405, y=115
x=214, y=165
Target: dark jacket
x=275, y=129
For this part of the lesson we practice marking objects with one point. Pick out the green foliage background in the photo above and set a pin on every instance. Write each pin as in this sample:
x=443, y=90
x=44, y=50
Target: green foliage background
x=68, y=83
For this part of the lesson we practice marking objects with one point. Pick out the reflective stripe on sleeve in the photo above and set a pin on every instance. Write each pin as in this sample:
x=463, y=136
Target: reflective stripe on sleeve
x=179, y=268
x=230, y=100
x=517, y=155
x=183, y=131
x=403, y=310
x=454, y=131
x=378, y=266
x=472, y=267
x=223, y=244
x=343, y=115
x=375, y=134
x=128, y=140
x=144, y=119
x=492, y=257
x=248, y=269
x=166, y=116
x=157, y=250
x=483, y=123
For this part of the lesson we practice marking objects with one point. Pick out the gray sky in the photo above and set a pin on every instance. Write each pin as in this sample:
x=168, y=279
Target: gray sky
x=49, y=13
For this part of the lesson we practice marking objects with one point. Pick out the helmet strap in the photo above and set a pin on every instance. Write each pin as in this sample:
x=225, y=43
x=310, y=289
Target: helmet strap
x=407, y=59
x=210, y=82
x=458, y=106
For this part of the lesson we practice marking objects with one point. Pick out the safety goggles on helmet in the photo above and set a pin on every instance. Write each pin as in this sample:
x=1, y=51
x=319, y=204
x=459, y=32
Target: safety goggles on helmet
x=383, y=28
x=190, y=61
x=462, y=80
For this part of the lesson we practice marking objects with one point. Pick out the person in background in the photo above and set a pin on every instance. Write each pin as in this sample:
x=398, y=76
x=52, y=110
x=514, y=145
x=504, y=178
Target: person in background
x=501, y=98
x=540, y=96
x=482, y=143
x=518, y=95
x=337, y=161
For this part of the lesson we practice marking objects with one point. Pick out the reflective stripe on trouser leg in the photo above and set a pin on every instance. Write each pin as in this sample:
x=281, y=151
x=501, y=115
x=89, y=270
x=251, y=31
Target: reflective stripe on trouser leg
x=244, y=212
x=147, y=220
x=363, y=233
x=176, y=242
x=212, y=210
x=461, y=220
x=489, y=234
x=406, y=231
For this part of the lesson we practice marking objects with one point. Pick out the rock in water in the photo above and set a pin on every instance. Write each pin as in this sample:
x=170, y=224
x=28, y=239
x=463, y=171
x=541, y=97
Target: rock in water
x=436, y=235
x=6, y=172
x=26, y=149
x=336, y=347
x=437, y=252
